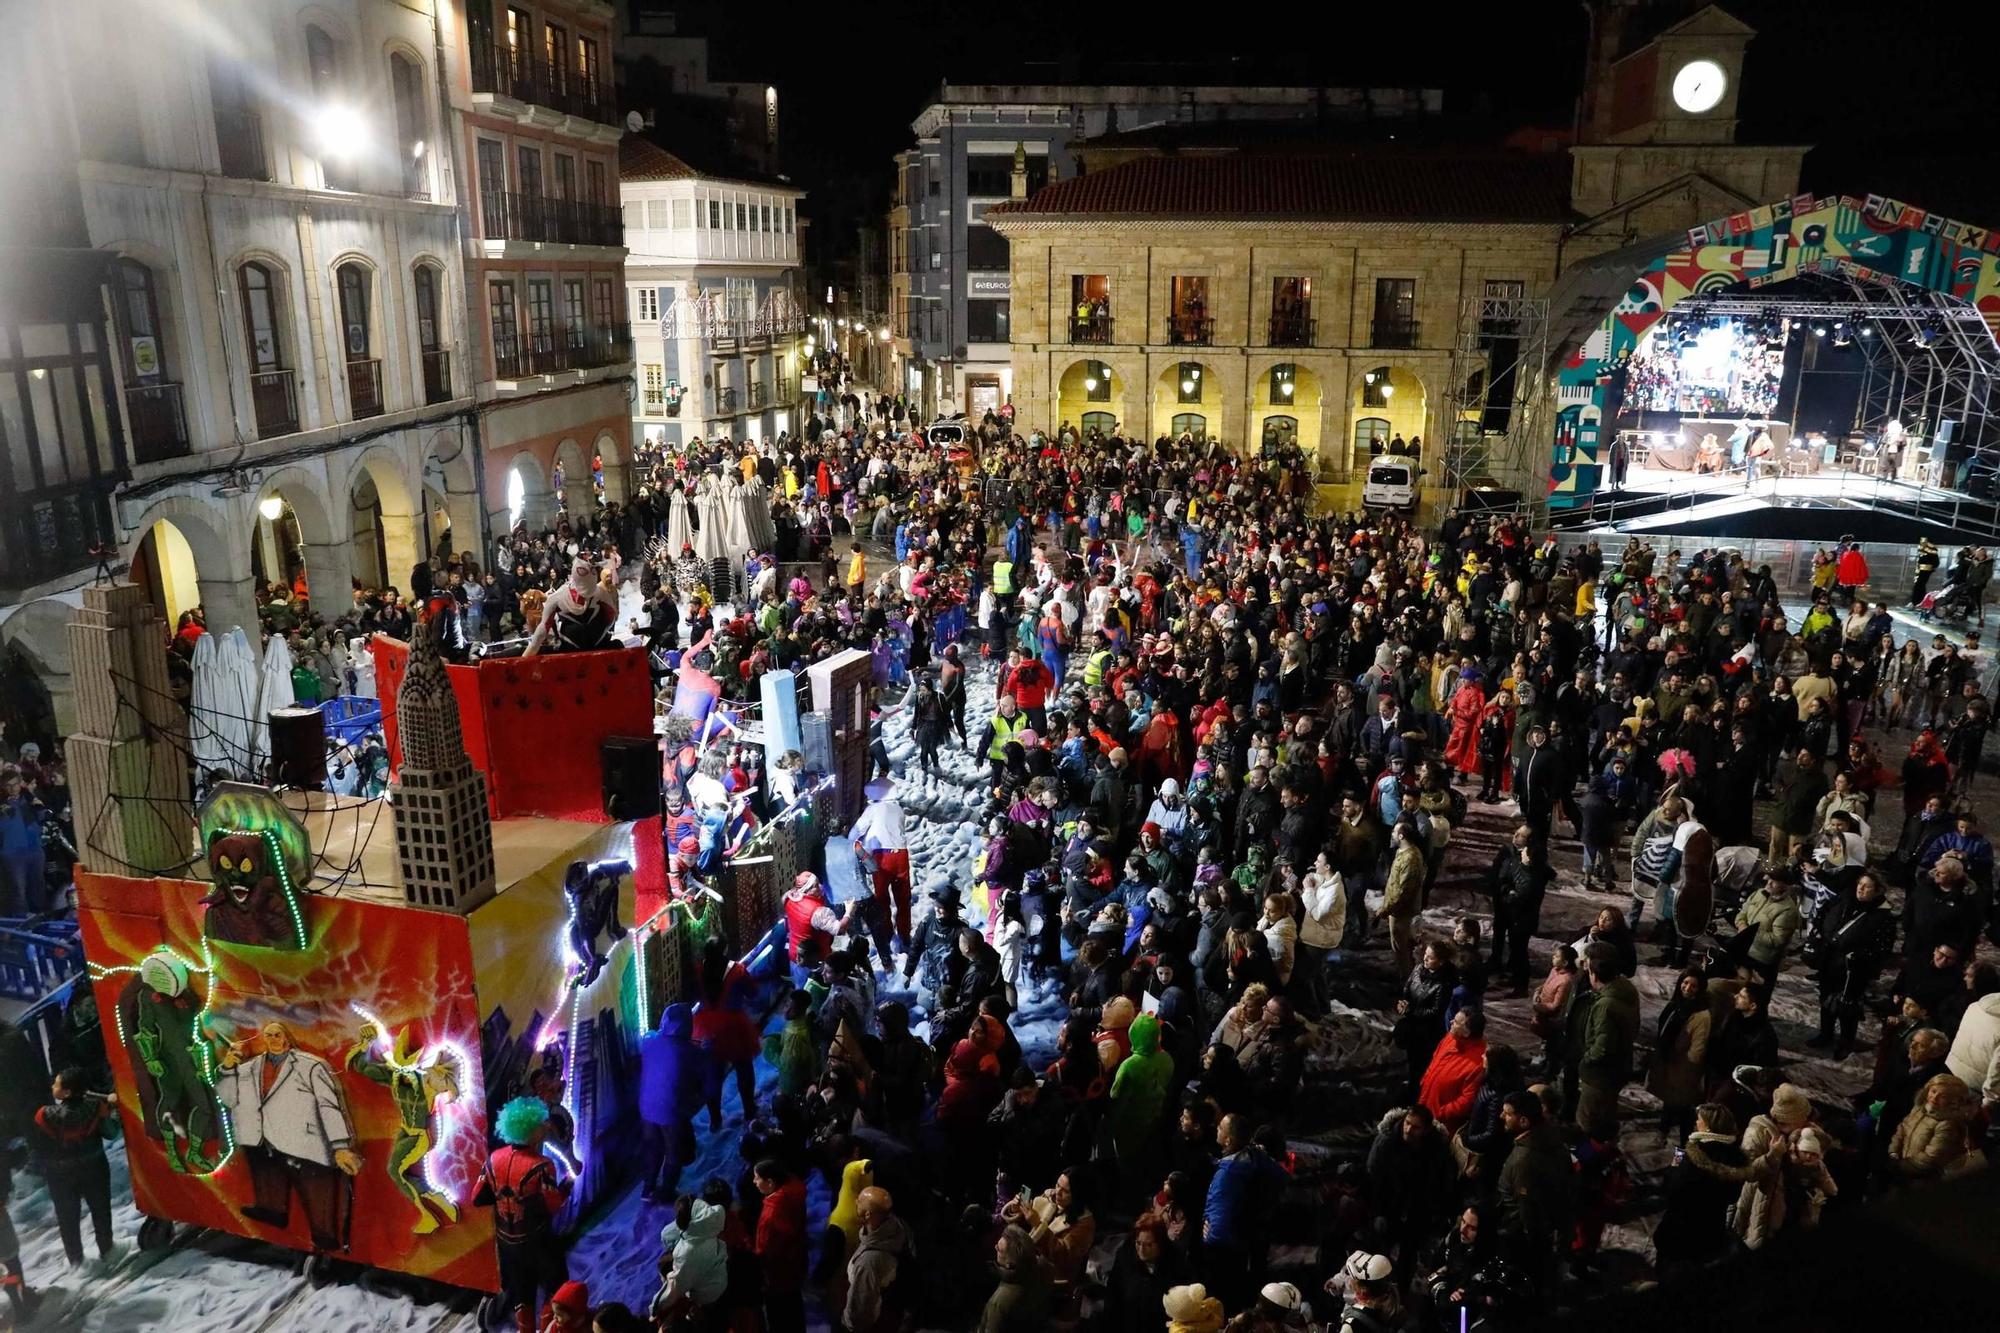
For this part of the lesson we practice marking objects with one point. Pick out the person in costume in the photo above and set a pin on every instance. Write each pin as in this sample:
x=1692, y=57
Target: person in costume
x=169, y=1045
x=417, y=1088
x=578, y=616
x=519, y=1184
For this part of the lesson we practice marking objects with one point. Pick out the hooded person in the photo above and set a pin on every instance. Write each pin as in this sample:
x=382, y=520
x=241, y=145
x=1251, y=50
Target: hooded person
x=698, y=1261
x=1791, y=1113
x=1020, y=1301
x=674, y=1074
x=578, y=616
x=1139, y=1092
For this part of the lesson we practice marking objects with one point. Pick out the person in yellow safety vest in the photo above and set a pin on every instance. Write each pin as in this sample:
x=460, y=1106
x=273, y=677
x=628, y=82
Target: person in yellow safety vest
x=1098, y=663
x=1003, y=577
x=1006, y=725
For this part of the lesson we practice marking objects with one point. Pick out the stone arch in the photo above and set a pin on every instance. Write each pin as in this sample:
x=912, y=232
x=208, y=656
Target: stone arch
x=577, y=495
x=1287, y=415
x=1074, y=390
x=612, y=457
x=1390, y=391
x=221, y=569
x=1173, y=400
x=383, y=524
x=450, y=486
x=525, y=493
x=326, y=552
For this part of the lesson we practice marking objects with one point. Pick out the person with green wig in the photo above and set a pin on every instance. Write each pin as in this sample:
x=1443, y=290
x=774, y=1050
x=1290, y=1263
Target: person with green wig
x=519, y=1184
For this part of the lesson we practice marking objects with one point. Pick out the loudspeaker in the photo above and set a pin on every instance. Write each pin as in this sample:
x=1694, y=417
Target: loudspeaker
x=631, y=771
x=298, y=748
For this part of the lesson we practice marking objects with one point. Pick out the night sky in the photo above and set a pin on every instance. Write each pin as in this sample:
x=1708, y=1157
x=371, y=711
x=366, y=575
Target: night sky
x=853, y=77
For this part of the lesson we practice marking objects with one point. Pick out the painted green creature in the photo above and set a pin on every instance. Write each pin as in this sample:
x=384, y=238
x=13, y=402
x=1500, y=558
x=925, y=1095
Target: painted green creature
x=416, y=1086
x=169, y=1044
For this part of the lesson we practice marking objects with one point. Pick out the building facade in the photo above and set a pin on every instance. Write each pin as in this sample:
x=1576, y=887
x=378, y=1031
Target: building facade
x=1348, y=296
x=714, y=285
x=951, y=281
x=364, y=275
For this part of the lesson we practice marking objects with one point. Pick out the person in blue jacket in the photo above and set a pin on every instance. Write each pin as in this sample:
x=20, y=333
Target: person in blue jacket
x=23, y=865
x=1246, y=1179
x=673, y=1086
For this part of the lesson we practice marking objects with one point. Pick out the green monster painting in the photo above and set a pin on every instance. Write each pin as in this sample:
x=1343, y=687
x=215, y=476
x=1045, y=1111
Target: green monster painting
x=170, y=1047
x=416, y=1087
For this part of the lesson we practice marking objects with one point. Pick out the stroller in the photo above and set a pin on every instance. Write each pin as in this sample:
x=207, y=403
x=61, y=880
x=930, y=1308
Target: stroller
x=1953, y=602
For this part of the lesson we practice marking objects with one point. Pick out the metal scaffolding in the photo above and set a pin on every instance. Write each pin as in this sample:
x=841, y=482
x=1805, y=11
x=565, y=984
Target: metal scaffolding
x=1496, y=396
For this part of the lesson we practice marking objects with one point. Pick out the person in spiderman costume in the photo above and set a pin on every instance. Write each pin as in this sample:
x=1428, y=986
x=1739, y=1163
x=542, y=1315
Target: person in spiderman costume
x=520, y=1186
x=680, y=831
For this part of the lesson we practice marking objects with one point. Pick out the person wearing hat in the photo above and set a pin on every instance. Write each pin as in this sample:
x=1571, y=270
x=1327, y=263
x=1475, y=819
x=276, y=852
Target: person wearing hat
x=811, y=924
x=1771, y=917
x=1374, y=1306
x=934, y=959
x=880, y=843
x=568, y=1311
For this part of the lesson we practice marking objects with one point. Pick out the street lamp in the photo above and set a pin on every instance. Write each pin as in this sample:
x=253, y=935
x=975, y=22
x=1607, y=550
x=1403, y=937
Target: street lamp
x=340, y=129
x=270, y=507
x=1388, y=391
x=885, y=333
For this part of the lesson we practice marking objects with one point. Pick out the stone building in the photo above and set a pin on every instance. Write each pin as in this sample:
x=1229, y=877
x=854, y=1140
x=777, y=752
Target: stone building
x=1340, y=293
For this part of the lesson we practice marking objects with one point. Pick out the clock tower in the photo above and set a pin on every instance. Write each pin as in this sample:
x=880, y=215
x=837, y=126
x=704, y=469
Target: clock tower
x=1657, y=147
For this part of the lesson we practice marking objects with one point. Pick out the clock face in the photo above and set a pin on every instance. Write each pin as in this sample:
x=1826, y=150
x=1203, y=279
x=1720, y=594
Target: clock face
x=1699, y=85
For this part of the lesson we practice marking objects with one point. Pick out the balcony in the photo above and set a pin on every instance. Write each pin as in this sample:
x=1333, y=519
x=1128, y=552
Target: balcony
x=760, y=395
x=239, y=135
x=1090, y=329
x=1189, y=331
x=364, y=388
x=508, y=363
x=509, y=215
x=503, y=71
x=1293, y=331
x=46, y=534
x=725, y=402
x=437, y=375
x=274, y=397
x=1395, y=333
x=607, y=345
x=548, y=352
x=786, y=393
x=159, y=430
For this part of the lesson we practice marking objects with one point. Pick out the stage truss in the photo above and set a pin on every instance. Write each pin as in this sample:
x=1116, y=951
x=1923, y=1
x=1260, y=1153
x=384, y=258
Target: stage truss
x=1496, y=396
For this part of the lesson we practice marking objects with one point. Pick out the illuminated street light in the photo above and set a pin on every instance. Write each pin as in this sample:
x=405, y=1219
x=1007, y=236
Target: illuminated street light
x=341, y=130
x=1388, y=391
x=270, y=507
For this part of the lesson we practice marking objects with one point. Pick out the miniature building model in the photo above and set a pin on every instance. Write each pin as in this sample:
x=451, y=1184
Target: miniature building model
x=840, y=690
x=444, y=834
x=126, y=765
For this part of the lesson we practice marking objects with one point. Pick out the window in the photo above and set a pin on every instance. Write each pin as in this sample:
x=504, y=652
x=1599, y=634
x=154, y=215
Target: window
x=323, y=67
x=565, y=178
x=985, y=248
x=239, y=130
x=791, y=225
x=1280, y=431
x=506, y=327
x=653, y=380
x=1104, y=423
x=586, y=67
x=715, y=215
x=520, y=30
x=260, y=318
x=1370, y=435
x=1291, y=312
x=406, y=83
x=593, y=180
x=1096, y=382
x=1189, y=423
x=492, y=189
x=740, y=303
x=600, y=300
x=555, y=50
x=352, y=281
x=541, y=308
x=991, y=175
x=681, y=211
x=1090, y=308
x=528, y=172
x=437, y=369
x=1395, y=312
x=986, y=321
x=1188, y=381
x=572, y=311
x=742, y=223
x=656, y=215
x=648, y=304
x=145, y=350
x=1188, y=322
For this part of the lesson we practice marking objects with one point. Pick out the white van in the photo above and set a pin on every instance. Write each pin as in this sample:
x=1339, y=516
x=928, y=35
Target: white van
x=1391, y=484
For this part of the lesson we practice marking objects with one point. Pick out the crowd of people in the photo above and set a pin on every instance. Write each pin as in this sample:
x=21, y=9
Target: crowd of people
x=1232, y=746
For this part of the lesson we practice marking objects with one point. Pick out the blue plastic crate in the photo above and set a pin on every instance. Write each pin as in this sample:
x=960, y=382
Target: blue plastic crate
x=350, y=717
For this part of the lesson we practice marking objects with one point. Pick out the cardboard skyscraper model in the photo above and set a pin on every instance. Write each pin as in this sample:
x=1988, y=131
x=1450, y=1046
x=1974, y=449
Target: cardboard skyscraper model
x=444, y=834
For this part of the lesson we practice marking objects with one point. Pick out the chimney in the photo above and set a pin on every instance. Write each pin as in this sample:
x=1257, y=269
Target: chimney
x=1018, y=185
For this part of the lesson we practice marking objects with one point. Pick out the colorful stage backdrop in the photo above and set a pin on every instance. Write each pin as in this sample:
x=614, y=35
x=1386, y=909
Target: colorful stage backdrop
x=1877, y=239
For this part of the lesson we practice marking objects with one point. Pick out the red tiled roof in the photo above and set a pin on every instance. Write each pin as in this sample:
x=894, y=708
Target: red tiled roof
x=1375, y=187
x=643, y=160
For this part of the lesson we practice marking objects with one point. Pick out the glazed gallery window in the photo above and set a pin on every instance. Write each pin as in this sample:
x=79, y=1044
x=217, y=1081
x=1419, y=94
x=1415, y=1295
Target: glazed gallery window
x=648, y=304
x=257, y=287
x=654, y=380
x=145, y=344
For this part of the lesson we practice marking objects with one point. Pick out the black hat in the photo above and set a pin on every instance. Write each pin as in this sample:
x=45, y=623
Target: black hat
x=948, y=896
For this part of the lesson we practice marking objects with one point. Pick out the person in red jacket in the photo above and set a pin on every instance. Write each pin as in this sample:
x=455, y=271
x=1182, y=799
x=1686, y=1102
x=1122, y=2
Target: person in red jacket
x=1457, y=1069
x=1029, y=681
x=726, y=1031
x=781, y=1245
